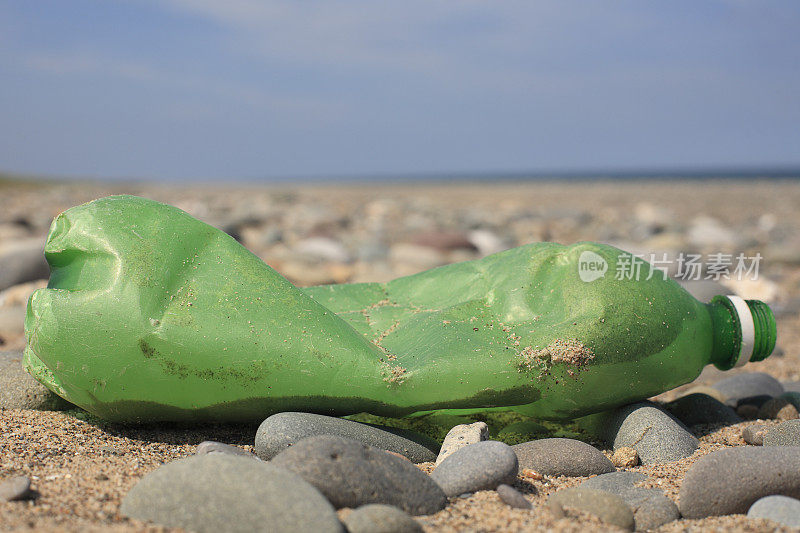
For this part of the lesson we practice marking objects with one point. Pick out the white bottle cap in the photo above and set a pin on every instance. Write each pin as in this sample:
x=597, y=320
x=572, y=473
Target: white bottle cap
x=748, y=328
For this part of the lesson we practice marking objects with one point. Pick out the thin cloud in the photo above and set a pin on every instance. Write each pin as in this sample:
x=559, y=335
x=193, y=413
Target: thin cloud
x=74, y=63
x=68, y=63
x=402, y=38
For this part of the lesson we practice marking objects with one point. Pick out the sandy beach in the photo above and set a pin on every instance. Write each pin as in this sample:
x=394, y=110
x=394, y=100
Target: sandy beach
x=81, y=468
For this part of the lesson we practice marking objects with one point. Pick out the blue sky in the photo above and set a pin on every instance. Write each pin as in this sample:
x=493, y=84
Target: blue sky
x=249, y=89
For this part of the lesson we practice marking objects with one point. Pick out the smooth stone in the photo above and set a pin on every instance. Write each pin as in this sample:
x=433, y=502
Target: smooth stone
x=350, y=474
x=729, y=481
x=755, y=401
x=608, y=507
x=562, y=457
x=697, y=408
x=749, y=388
x=784, y=434
x=282, y=430
x=656, y=435
x=15, y=488
x=793, y=397
x=780, y=509
x=651, y=508
x=323, y=249
x=657, y=219
x=480, y=466
x=486, y=242
x=378, y=518
x=791, y=386
x=708, y=391
x=778, y=408
x=512, y=497
x=372, y=252
x=460, y=436
x=19, y=390
x=211, y=446
x=22, y=260
x=220, y=492
x=754, y=434
x=705, y=231
x=747, y=411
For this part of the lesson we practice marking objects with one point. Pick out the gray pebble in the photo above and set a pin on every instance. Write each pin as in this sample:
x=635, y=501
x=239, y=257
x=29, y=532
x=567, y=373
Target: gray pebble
x=22, y=260
x=350, y=474
x=460, y=436
x=729, y=481
x=282, y=430
x=656, y=435
x=562, y=457
x=753, y=387
x=651, y=508
x=220, y=492
x=708, y=391
x=19, y=390
x=754, y=401
x=608, y=507
x=784, y=434
x=754, y=434
x=697, y=408
x=793, y=397
x=747, y=411
x=210, y=446
x=512, y=497
x=15, y=488
x=791, y=386
x=777, y=408
x=378, y=518
x=780, y=509
x=480, y=466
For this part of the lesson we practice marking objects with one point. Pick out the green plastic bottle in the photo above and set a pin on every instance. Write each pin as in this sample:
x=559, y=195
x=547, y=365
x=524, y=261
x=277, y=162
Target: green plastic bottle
x=151, y=315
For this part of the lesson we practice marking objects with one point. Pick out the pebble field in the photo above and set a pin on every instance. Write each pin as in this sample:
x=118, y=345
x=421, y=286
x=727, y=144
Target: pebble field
x=719, y=454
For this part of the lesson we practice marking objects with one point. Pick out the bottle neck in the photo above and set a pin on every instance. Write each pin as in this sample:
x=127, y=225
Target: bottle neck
x=744, y=330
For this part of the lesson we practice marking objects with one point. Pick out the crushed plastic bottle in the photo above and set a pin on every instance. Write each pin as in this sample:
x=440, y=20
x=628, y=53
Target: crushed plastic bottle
x=152, y=315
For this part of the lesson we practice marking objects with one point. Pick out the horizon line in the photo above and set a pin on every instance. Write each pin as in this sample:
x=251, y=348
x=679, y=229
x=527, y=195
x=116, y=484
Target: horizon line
x=673, y=173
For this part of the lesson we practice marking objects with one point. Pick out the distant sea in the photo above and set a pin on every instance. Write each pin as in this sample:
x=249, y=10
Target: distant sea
x=748, y=174
x=679, y=175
